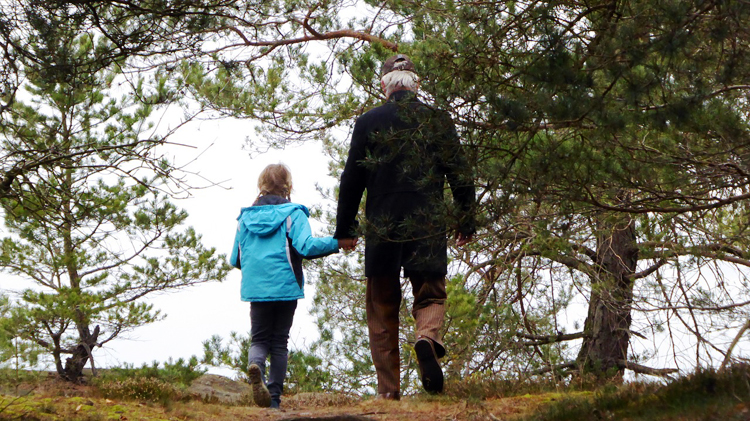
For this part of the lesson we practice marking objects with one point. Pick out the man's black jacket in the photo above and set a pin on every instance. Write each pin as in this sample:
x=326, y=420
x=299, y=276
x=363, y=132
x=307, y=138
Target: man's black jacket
x=401, y=153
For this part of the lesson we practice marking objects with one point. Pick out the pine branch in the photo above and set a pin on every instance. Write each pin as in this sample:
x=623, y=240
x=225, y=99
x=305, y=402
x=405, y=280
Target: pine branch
x=712, y=204
x=715, y=251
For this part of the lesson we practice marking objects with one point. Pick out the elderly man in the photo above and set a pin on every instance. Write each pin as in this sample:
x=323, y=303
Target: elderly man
x=401, y=153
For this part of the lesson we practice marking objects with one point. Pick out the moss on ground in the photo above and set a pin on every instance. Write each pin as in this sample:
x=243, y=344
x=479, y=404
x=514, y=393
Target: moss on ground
x=701, y=396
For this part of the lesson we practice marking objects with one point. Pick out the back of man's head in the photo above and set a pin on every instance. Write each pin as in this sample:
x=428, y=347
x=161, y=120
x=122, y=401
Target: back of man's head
x=397, y=74
x=397, y=62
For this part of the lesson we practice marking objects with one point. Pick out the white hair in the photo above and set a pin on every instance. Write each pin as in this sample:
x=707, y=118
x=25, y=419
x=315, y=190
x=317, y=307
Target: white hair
x=399, y=80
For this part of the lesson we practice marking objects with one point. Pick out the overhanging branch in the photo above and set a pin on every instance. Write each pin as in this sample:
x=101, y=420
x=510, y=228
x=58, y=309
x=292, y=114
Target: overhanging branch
x=714, y=204
x=646, y=272
x=547, y=339
x=316, y=36
x=547, y=369
x=642, y=369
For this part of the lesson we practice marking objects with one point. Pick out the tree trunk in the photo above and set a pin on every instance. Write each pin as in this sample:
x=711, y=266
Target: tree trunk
x=58, y=361
x=609, y=315
x=75, y=363
x=81, y=354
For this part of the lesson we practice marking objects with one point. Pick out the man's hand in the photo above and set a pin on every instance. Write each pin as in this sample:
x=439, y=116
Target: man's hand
x=347, y=244
x=463, y=239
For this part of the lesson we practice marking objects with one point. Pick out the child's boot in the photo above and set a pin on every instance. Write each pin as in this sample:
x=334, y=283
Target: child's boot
x=261, y=397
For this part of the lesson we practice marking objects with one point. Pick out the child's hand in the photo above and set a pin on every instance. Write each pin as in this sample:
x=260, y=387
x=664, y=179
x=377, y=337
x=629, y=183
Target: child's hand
x=347, y=244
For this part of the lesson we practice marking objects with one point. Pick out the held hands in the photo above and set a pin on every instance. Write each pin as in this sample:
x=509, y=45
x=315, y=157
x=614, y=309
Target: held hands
x=347, y=244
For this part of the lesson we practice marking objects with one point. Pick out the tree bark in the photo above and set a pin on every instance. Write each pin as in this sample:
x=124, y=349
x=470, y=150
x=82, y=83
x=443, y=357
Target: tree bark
x=74, y=364
x=81, y=354
x=609, y=314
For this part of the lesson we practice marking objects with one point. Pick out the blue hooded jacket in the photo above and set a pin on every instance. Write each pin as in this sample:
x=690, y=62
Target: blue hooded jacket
x=272, y=238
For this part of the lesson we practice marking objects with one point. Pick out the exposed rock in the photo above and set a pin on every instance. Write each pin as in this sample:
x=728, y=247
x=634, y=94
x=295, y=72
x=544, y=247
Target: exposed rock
x=220, y=389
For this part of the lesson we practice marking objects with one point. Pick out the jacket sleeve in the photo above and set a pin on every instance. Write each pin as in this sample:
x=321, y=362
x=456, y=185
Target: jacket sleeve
x=352, y=185
x=302, y=240
x=459, y=173
x=234, y=258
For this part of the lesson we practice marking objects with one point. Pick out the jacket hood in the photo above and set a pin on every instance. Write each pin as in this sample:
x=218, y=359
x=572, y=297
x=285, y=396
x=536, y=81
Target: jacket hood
x=265, y=219
x=270, y=199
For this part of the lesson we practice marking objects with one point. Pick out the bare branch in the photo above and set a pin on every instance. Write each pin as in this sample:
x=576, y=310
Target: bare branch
x=646, y=272
x=546, y=339
x=548, y=369
x=642, y=369
x=315, y=36
x=736, y=339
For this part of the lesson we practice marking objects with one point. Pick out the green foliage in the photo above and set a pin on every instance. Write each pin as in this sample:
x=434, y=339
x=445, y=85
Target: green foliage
x=339, y=309
x=153, y=383
x=705, y=394
x=483, y=386
x=232, y=355
x=180, y=373
x=306, y=372
x=90, y=223
x=149, y=389
x=583, y=121
x=16, y=355
x=590, y=126
x=477, y=339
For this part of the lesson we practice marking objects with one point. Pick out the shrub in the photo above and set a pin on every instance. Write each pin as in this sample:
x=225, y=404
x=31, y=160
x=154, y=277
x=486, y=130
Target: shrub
x=179, y=373
x=141, y=389
x=150, y=382
x=705, y=394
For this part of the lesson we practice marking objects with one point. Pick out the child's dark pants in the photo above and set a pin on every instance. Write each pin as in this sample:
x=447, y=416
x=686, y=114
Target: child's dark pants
x=270, y=323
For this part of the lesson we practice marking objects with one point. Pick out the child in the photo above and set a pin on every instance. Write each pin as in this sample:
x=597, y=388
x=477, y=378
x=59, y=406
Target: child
x=273, y=235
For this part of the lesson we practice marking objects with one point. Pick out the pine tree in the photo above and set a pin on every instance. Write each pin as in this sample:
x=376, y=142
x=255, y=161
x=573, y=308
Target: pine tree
x=610, y=141
x=92, y=228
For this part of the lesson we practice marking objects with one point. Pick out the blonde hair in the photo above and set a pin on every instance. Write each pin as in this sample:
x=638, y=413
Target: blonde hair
x=275, y=179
